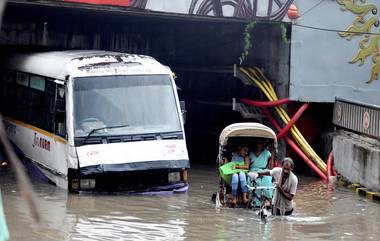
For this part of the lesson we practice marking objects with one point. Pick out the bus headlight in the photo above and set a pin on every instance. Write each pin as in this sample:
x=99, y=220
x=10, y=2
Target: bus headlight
x=87, y=183
x=174, y=177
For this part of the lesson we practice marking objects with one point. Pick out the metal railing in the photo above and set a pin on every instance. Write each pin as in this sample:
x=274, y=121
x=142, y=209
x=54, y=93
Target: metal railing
x=358, y=117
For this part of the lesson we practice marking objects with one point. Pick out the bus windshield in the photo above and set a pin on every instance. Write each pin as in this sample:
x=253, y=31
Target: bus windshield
x=124, y=105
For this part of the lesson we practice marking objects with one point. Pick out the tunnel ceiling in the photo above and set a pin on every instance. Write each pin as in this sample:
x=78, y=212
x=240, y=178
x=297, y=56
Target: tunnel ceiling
x=201, y=50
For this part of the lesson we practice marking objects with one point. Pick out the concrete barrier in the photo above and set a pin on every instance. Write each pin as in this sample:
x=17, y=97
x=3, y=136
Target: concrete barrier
x=357, y=158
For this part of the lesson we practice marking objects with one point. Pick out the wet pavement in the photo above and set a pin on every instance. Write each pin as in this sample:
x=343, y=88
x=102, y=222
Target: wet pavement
x=321, y=213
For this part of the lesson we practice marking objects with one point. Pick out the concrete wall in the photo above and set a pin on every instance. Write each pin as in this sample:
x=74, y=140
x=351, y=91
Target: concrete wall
x=320, y=60
x=357, y=158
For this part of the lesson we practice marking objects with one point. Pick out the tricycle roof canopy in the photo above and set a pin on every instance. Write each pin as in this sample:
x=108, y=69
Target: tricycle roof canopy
x=248, y=129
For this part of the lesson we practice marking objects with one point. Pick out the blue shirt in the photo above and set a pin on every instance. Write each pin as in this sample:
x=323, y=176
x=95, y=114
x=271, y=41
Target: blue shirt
x=259, y=162
x=237, y=158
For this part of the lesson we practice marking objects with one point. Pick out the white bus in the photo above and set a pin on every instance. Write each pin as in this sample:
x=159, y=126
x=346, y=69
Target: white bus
x=96, y=119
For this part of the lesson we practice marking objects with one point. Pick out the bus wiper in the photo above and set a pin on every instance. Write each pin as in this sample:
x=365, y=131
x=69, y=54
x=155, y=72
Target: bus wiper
x=103, y=128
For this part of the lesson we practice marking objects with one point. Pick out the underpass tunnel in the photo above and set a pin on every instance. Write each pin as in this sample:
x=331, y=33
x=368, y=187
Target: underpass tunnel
x=201, y=51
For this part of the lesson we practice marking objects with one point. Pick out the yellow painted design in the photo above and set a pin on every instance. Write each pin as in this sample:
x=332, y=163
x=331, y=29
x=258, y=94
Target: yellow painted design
x=362, y=10
x=359, y=27
x=366, y=50
x=369, y=45
x=375, y=70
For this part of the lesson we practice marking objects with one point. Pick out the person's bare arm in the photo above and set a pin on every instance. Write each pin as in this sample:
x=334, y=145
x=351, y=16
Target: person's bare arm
x=270, y=162
x=285, y=193
x=224, y=160
x=263, y=173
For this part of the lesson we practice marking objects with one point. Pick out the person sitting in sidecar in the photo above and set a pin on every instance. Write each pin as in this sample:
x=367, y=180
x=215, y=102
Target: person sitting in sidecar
x=259, y=159
x=239, y=156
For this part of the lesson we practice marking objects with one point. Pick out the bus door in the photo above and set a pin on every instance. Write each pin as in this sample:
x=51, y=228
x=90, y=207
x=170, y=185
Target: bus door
x=60, y=133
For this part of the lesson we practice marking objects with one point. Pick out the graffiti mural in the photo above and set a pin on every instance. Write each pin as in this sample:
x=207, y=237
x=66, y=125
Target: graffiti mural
x=362, y=25
x=139, y=3
x=272, y=9
x=255, y=9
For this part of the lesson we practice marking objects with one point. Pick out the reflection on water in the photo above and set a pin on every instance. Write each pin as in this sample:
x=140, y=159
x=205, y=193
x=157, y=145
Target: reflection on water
x=321, y=213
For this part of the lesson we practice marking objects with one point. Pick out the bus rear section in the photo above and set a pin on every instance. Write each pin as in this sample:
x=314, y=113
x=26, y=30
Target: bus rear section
x=128, y=134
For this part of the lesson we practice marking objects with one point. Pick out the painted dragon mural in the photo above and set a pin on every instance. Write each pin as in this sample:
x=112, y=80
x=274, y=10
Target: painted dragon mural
x=362, y=26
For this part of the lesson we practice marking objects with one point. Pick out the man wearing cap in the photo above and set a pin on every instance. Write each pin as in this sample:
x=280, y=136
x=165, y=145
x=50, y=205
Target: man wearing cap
x=286, y=186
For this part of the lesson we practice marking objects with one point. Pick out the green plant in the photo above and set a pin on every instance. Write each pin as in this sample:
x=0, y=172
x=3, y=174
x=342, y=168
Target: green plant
x=247, y=41
x=284, y=32
x=248, y=37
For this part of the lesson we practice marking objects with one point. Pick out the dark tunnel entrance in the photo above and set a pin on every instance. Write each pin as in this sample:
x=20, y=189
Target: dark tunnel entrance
x=202, y=51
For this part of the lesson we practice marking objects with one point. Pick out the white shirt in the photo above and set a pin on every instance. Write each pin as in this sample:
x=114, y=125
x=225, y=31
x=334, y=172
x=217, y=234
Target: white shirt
x=293, y=181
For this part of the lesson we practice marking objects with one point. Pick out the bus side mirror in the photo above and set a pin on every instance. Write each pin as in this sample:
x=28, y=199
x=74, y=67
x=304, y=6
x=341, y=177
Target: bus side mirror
x=183, y=110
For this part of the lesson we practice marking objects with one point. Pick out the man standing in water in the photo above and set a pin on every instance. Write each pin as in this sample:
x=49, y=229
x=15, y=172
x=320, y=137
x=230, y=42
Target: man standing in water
x=286, y=186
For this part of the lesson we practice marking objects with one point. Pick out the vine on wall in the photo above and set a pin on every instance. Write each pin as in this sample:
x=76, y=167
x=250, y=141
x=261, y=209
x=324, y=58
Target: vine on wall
x=248, y=38
x=247, y=41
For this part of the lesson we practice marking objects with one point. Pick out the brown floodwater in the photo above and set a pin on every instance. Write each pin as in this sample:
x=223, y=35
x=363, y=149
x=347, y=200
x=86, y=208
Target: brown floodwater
x=321, y=213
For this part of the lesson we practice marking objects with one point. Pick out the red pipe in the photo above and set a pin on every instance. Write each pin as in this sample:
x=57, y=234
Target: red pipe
x=265, y=103
x=271, y=119
x=292, y=121
x=306, y=159
x=329, y=165
x=328, y=172
x=295, y=147
x=332, y=164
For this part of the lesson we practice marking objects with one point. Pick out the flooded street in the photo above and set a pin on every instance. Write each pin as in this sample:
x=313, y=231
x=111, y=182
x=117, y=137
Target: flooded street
x=320, y=214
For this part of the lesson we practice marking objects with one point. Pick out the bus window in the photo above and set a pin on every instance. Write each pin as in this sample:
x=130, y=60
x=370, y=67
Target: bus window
x=41, y=103
x=7, y=91
x=22, y=96
x=37, y=82
x=49, y=104
x=22, y=79
x=140, y=103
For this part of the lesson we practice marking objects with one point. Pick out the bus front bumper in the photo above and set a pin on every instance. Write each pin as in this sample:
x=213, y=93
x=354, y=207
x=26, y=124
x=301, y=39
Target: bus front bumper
x=134, y=166
x=141, y=177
